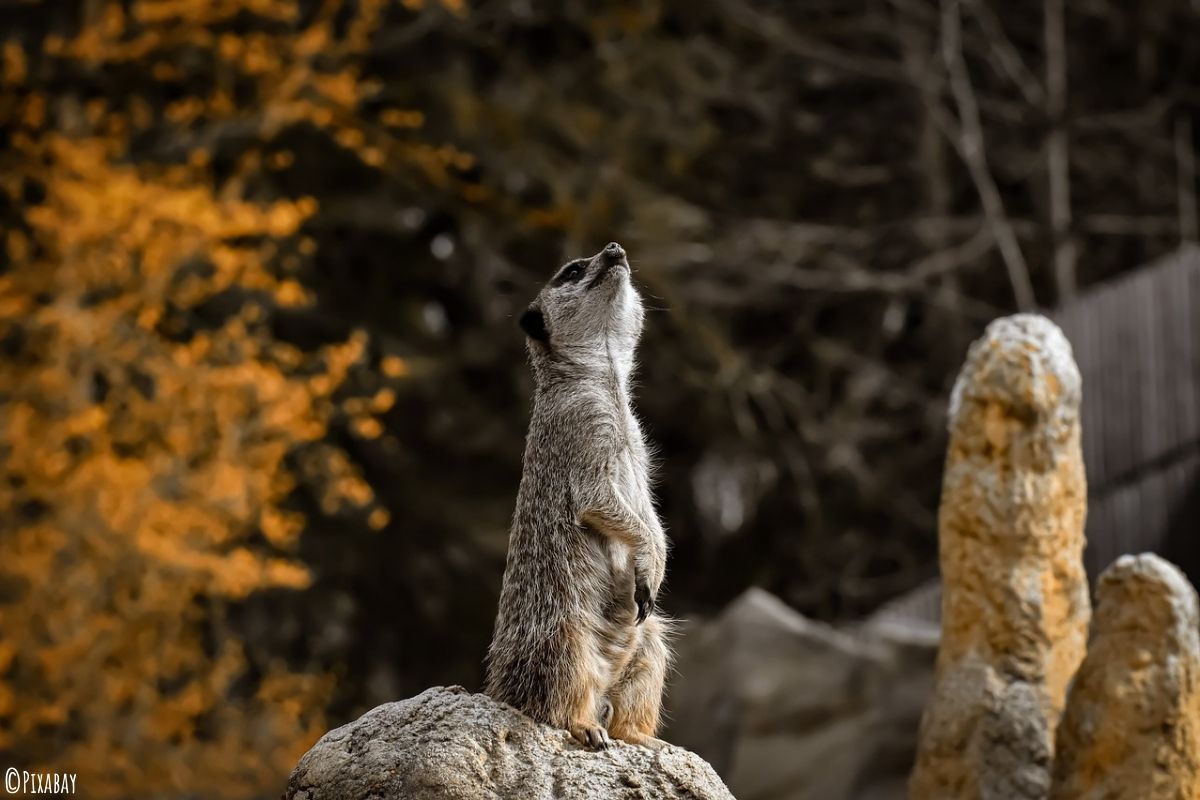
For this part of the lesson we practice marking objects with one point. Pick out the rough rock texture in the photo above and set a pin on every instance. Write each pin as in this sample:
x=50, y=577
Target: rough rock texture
x=448, y=743
x=788, y=708
x=1015, y=599
x=1132, y=724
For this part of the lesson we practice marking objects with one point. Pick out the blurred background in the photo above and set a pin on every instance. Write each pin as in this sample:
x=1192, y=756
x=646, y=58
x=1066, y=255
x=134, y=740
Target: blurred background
x=263, y=396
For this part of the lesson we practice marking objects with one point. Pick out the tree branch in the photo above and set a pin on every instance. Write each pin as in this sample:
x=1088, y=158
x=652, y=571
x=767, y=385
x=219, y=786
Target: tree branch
x=970, y=146
x=1058, y=163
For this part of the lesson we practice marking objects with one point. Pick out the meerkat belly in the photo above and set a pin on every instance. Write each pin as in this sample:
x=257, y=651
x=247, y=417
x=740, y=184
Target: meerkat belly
x=609, y=579
x=619, y=601
x=612, y=610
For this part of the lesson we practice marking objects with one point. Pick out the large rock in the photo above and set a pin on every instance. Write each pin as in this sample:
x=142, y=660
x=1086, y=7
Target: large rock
x=1132, y=724
x=788, y=708
x=448, y=743
x=1015, y=599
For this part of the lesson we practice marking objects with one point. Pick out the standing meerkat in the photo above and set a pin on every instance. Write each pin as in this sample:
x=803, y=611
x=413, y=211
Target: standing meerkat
x=577, y=643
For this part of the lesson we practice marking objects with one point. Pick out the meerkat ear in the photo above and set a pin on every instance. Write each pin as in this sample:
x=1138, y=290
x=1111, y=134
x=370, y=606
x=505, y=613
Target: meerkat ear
x=533, y=322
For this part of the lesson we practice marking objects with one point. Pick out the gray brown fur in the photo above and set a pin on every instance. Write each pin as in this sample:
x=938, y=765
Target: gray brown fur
x=577, y=643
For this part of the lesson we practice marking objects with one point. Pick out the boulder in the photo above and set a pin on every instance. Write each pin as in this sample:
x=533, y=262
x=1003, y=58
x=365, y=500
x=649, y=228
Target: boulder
x=1015, y=604
x=789, y=708
x=1132, y=723
x=449, y=743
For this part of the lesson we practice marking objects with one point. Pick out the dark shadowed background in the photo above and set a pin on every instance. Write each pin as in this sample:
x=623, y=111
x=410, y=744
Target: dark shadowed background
x=262, y=393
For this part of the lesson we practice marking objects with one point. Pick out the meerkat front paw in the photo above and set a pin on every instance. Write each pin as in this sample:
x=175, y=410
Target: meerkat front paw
x=591, y=735
x=646, y=581
x=644, y=599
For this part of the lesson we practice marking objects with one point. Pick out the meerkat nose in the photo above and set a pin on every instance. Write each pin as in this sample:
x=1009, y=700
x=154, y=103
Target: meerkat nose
x=614, y=251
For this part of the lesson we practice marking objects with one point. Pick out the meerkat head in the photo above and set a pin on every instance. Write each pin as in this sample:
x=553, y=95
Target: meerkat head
x=588, y=313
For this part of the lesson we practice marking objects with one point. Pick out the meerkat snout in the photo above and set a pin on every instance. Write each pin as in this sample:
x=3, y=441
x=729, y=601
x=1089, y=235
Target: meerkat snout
x=611, y=256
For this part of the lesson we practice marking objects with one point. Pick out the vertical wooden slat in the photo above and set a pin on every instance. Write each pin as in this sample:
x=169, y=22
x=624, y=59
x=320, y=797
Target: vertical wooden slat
x=1137, y=343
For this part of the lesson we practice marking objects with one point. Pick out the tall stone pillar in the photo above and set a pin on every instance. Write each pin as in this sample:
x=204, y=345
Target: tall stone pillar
x=1015, y=597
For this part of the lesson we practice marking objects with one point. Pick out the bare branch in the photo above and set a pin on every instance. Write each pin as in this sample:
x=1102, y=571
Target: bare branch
x=1006, y=54
x=778, y=32
x=1058, y=162
x=970, y=146
x=1126, y=225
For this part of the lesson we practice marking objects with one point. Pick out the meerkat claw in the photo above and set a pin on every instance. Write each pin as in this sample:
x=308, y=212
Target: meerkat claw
x=592, y=736
x=644, y=600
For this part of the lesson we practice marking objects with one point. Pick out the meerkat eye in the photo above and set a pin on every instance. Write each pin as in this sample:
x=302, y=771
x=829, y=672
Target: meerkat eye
x=571, y=273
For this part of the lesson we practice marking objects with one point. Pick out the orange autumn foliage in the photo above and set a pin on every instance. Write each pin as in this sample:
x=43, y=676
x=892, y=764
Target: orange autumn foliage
x=139, y=471
x=148, y=450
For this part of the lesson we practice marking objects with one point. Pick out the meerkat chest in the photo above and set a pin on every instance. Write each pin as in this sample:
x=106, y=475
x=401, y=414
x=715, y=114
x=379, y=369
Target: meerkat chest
x=632, y=464
x=632, y=475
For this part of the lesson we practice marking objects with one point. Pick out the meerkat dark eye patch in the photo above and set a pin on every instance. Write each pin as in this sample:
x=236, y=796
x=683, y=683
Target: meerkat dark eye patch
x=533, y=322
x=571, y=272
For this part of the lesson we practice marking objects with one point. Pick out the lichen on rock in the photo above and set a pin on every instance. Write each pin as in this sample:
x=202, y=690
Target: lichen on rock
x=1132, y=723
x=448, y=743
x=1015, y=598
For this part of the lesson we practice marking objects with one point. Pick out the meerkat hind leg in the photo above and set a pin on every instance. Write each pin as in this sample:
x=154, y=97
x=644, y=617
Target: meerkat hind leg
x=585, y=706
x=585, y=721
x=637, y=695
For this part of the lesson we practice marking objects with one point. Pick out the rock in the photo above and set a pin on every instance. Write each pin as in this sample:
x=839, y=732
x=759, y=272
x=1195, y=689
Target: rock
x=1015, y=599
x=919, y=611
x=792, y=709
x=1132, y=724
x=449, y=743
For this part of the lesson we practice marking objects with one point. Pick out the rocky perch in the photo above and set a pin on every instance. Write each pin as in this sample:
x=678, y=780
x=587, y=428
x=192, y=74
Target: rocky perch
x=449, y=743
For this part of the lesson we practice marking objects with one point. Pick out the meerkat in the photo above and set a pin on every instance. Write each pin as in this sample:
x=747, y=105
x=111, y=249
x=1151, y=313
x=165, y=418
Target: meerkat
x=578, y=643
